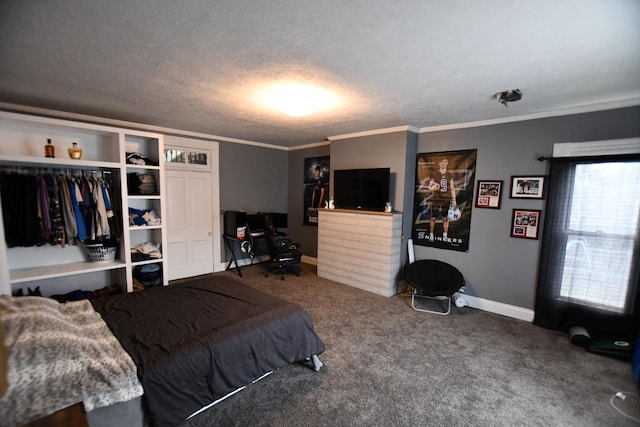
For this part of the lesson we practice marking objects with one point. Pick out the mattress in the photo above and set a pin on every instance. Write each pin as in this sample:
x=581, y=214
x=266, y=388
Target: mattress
x=197, y=341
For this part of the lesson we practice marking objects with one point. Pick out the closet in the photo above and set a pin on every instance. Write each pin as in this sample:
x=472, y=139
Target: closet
x=130, y=162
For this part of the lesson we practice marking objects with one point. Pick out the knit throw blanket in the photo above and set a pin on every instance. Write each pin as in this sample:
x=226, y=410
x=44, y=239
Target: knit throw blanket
x=59, y=355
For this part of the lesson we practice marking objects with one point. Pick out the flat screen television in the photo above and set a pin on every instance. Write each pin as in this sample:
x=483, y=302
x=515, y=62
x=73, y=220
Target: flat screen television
x=365, y=189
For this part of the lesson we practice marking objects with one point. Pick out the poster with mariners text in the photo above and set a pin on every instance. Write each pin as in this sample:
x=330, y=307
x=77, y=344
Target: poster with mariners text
x=443, y=199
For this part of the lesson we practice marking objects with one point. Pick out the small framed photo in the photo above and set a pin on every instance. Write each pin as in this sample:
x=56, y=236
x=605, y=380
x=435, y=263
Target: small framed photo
x=527, y=187
x=489, y=194
x=525, y=223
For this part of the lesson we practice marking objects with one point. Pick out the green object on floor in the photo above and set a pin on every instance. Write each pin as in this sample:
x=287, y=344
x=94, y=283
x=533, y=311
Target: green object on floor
x=615, y=347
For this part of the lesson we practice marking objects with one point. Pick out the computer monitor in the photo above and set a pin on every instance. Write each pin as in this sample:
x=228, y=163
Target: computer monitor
x=276, y=219
x=256, y=223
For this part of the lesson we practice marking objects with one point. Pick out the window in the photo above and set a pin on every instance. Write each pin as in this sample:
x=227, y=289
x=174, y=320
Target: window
x=589, y=270
x=177, y=156
x=602, y=224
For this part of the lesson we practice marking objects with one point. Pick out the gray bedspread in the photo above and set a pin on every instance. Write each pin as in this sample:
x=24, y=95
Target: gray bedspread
x=59, y=355
x=194, y=342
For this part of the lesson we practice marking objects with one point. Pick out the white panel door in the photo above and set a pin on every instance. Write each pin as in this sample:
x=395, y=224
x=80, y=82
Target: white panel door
x=189, y=223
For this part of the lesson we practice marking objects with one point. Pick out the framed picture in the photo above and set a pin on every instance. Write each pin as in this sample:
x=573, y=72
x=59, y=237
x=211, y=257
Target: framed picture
x=489, y=194
x=525, y=223
x=527, y=187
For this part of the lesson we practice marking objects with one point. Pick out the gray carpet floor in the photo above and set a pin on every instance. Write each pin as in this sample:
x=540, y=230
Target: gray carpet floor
x=388, y=365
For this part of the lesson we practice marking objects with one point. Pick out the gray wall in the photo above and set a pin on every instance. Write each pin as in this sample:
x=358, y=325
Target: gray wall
x=409, y=187
x=376, y=151
x=390, y=150
x=498, y=267
x=253, y=179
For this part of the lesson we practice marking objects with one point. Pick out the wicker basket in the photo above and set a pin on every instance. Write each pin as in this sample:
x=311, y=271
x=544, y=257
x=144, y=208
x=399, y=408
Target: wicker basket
x=101, y=253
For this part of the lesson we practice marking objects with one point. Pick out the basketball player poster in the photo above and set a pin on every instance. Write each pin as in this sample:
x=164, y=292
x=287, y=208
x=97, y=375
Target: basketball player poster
x=316, y=187
x=443, y=199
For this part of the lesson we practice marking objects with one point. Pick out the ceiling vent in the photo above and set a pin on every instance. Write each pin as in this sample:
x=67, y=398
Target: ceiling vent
x=508, y=96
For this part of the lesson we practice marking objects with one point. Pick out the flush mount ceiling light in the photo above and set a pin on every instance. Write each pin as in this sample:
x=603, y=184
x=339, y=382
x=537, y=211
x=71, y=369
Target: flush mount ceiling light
x=297, y=99
x=508, y=96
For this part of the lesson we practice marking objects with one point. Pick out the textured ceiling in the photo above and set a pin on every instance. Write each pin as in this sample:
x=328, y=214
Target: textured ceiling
x=196, y=65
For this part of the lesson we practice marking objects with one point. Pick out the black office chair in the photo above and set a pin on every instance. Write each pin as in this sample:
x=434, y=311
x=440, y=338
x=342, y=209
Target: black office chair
x=283, y=252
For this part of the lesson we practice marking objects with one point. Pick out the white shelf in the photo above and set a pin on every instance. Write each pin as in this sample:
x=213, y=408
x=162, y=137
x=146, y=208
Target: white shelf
x=147, y=261
x=60, y=163
x=59, y=270
x=144, y=167
x=145, y=227
x=144, y=197
x=151, y=147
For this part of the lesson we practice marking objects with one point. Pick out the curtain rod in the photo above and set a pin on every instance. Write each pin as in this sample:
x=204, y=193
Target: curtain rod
x=28, y=169
x=597, y=158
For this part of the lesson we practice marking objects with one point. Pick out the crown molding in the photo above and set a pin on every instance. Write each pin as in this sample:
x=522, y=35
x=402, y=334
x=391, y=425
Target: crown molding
x=612, y=105
x=631, y=102
x=15, y=108
x=374, y=132
x=312, y=145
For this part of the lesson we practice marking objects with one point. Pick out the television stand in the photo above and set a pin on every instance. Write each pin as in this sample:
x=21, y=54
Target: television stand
x=361, y=249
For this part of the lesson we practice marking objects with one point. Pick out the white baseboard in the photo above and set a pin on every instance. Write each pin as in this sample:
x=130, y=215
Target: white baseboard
x=499, y=308
x=507, y=310
x=474, y=302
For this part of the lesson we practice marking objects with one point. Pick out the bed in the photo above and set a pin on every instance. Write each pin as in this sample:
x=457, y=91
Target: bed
x=186, y=345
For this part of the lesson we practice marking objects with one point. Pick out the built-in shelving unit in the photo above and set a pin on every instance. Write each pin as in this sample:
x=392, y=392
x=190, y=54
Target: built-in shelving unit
x=151, y=147
x=59, y=269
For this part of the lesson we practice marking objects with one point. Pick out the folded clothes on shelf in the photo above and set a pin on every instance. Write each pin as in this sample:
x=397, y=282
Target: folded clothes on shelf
x=143, y=217
x=146, y=276
x=142, y=183
x=139, y=159
x=145, y=251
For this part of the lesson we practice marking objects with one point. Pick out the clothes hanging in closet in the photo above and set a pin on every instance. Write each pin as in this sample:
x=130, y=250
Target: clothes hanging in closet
x=20, y=210
x=55, y=209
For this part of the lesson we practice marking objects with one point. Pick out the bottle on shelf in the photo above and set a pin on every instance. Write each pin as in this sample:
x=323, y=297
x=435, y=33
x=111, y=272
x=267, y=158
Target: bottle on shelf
x=75, y=152
x=49, y=149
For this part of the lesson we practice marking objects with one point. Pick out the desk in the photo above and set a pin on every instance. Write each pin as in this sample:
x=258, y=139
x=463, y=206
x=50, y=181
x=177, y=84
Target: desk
x=251, y=241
